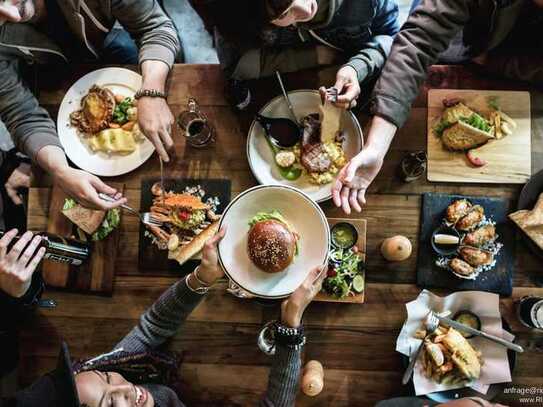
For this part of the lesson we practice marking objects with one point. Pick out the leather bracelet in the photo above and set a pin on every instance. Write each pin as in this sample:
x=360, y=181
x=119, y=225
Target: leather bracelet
x=151, y=93
x=290, y=337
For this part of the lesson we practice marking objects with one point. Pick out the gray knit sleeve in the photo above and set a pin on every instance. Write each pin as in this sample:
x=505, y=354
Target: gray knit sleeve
x=162, y=320
x=284, y=379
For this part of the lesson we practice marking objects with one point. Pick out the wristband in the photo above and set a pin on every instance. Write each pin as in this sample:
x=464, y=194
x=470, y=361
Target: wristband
x=289, y=337
x=151, y=93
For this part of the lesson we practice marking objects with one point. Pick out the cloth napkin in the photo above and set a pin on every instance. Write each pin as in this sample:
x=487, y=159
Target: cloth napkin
x=495, y=367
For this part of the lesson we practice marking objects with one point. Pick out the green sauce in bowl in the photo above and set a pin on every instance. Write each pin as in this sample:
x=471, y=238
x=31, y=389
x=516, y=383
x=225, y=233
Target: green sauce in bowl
x=344, y=235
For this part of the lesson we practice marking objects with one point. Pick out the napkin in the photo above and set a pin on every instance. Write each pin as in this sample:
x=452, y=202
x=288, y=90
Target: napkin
x=495, y=367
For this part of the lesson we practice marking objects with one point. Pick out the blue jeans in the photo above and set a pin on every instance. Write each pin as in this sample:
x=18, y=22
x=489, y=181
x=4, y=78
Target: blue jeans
x=119, y=48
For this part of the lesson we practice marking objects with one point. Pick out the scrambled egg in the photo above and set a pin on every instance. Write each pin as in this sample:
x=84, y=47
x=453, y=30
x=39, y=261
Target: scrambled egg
x=337, y=155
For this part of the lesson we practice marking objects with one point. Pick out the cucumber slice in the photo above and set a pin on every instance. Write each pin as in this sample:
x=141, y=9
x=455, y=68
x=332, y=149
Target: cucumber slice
x=358, y=283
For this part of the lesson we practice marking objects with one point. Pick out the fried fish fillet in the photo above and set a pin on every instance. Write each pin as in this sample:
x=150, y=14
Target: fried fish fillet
x=463, y=355
x=96, y=111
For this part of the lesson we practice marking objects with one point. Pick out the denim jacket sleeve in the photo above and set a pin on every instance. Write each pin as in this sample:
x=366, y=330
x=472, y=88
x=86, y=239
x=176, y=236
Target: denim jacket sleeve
x=371, y=58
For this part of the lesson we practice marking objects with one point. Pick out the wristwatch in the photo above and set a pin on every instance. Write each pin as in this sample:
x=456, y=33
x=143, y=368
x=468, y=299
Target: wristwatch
x=152, y=93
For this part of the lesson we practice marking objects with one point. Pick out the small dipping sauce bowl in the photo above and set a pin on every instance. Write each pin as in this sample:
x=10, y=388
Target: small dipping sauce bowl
x=344, y=235
x=445, y=249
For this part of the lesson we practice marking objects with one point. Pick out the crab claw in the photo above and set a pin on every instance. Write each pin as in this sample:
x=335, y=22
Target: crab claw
x=156, y=189
x=475, y=160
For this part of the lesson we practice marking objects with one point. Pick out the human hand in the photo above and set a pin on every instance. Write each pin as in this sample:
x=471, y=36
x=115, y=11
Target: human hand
x=292, y=309
x=18, y=264
x=347, y=86
x=19, y=178
x=155, y=121
x=210, y=271
x=349, y=189
x=84, y=188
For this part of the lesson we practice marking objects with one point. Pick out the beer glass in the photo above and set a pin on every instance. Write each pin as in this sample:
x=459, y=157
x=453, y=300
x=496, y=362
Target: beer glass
x=194, y=125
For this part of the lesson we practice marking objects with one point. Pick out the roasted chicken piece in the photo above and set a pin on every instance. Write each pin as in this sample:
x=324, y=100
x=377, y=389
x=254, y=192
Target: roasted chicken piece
x=480, y=236
x=313, y=155
x=475, y=257
x=471, y=219
x=463, y=355
x=459, y=266
x=458, y=209
x=96, y=111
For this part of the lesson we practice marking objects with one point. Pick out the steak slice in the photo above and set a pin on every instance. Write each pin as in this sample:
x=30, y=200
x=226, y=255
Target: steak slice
x=313, y=156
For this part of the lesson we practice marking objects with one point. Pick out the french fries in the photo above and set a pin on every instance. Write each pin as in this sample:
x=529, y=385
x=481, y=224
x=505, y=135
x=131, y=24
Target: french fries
x=437, y=360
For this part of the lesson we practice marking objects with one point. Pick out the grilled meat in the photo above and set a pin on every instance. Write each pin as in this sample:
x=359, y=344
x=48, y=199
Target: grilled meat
x=480, y=236
x=96, y=111
x=313, y=155
x=472, y=219
x=458, y=209
x=476, y=257
x=459, y=266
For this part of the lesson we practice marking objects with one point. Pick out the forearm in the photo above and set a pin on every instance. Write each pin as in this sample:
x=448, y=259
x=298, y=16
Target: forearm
x=155, y=74
x=52, y=159
x=284, y=379
x=162, y=320
x=380, y=136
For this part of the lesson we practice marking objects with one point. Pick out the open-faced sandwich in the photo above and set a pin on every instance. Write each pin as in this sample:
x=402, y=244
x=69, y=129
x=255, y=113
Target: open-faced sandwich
x=108, y=122
x=96, y=224
x=461, y=128
x=477, y=246
x=448, y=357
x=272, y=243
x=531, y=222
x=188, y=223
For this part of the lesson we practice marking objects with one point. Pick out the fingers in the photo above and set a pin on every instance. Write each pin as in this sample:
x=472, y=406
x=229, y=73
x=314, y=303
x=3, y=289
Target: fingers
x=322, y=92
x=29, y=252
x=14, y=253
x=29, y=270
x=350, y=171
x=166, y=140
x=317, y=284
x=14, y=196
x=95, y=200
x=353, y=200
x=340, y=84
x=349, y=96
x=362, y=196
x=157, y=142
x=336, y=189
x=211, y=243
x=345, y=192
x=6, y=240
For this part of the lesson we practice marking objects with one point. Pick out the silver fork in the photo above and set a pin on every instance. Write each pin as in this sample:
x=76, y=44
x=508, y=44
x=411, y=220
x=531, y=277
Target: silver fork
x=147, y=218
x=430, y=324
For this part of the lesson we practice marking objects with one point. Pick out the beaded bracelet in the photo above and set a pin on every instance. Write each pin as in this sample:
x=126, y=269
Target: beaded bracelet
x=291, y=337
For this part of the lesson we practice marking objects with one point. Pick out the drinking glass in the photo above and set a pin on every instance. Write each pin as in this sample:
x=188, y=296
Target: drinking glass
x=195, y=126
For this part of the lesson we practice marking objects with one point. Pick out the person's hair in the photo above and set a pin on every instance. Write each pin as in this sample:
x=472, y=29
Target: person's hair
x=151, y=367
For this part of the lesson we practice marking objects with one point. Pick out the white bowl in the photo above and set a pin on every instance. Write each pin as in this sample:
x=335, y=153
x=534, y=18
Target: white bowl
x=261, y=158
x=300, y=211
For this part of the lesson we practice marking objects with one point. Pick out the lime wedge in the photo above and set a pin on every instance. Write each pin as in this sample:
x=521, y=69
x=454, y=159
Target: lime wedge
x=358, y=283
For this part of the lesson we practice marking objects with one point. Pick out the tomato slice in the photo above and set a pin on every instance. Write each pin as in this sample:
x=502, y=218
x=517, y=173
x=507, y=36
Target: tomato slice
x=183, y=215
x=475, y=160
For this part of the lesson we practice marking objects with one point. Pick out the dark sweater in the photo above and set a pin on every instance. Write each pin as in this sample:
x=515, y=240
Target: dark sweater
x=162, y=320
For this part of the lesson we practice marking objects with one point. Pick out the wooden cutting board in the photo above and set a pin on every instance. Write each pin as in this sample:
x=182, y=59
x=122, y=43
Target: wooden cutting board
x=499, y=279
x=360, y=225
x=96, y=275
x=509, y=159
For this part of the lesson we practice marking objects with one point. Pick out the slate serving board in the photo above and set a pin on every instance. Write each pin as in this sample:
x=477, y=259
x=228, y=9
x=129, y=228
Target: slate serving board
x=155, y=261
x=498, y=280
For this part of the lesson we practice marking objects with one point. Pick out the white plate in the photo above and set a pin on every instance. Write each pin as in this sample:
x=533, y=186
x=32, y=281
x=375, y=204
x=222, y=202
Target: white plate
x=120, y=81
x=261, y=158
x=299, y=210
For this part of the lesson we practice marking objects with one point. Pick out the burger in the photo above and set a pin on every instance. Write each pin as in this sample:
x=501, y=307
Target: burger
x=272, y=243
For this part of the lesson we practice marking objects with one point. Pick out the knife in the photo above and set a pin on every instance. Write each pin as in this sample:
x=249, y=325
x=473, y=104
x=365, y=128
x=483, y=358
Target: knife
x=470, y=330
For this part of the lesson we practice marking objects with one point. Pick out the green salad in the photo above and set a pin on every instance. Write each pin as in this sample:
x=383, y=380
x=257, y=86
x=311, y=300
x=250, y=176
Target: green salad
x=120, y=113
x=110, y=222
x=477, y=121
x=345, y=273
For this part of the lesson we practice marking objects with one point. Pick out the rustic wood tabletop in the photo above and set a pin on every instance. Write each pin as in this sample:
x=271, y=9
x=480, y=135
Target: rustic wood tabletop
x=355, y=343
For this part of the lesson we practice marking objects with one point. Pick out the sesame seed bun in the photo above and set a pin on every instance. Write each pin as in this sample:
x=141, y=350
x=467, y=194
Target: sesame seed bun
x=271, y=246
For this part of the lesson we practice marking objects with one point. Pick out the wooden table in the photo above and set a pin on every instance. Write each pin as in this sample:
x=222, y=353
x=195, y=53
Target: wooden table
x=221, y=363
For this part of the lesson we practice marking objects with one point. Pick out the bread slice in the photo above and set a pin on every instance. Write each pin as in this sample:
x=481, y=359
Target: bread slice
x=183, y=253
x=531, y=222
x=89, y=220
x=461, y=136
x=330, y=121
